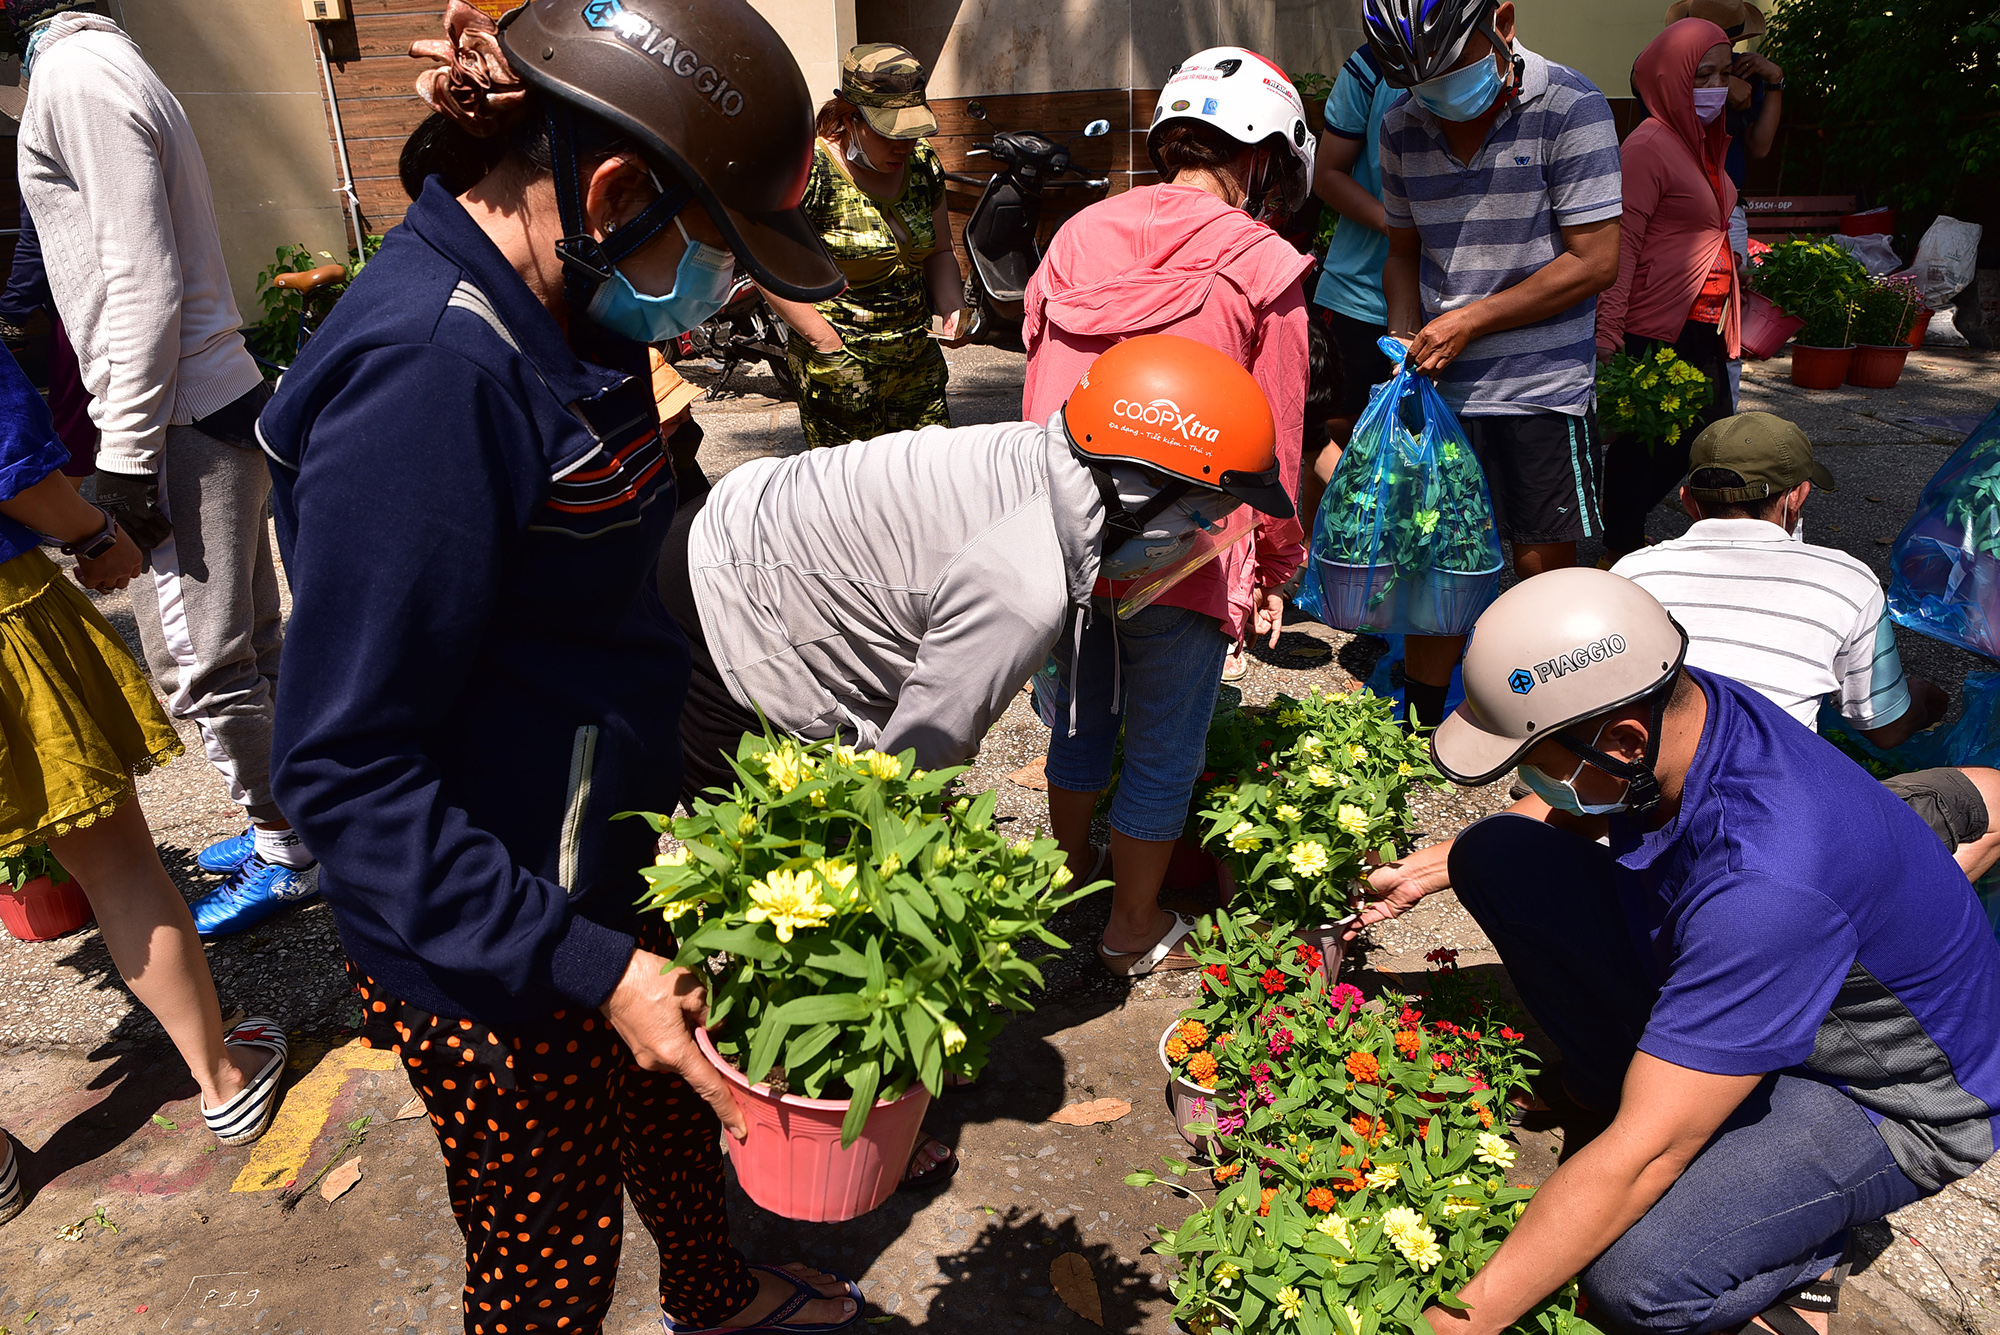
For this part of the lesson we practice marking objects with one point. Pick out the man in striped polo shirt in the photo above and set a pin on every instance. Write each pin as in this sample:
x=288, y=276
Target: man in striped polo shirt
x=1501, y=188
x=1797, y=623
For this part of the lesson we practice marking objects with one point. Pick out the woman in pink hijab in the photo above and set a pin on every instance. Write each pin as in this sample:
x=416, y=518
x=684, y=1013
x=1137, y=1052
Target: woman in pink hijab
x=1677, y=283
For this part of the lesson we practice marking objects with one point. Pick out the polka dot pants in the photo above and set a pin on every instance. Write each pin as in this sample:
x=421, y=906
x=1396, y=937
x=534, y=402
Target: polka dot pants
x=544, y=1125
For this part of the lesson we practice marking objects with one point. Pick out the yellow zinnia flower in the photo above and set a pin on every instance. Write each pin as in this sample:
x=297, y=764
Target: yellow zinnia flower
x=1319, y=776
x=839, y=877
x=1308, y=858
x=1353, y=1318
x=784, y=767
x=673, y=857
x=1412, y=1236
x=883, y=766
x=1352, y=820
x=1386, y=1175
x=1288, y=812
x=1290, y=1303
x=1226, y=1273
x=1242, y=840
x=1403, y=769
x=1311, y=745
x=1335, y=1227
x=1494, y=1150
x=788, y=901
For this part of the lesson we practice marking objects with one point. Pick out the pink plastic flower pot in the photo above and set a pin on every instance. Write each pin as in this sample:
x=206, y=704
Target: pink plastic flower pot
x=1182, y=1094
x=1877, y=367
x=1820, y=368
x=42, y=910
x=1765, y=327
x=792, y=1163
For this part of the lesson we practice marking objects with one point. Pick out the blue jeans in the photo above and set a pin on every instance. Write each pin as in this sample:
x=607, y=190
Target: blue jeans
x=1162, y=668
x=1767, y=1203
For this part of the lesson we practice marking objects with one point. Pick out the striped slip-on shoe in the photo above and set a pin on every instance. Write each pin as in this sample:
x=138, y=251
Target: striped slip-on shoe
x=244, y=1118
x=12, y=1199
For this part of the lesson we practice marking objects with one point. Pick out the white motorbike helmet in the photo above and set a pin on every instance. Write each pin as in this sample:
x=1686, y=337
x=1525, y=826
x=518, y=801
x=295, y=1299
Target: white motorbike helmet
x=1252, y=101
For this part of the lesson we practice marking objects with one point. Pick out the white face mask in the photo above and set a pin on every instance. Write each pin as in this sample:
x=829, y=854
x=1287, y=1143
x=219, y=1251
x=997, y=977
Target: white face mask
x=1561, y=793
x=1709, y=102
x=856, y=154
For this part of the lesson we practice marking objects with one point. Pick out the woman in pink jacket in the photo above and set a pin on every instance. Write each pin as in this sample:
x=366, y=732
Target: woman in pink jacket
x=1676, y=272
x=1195, y=257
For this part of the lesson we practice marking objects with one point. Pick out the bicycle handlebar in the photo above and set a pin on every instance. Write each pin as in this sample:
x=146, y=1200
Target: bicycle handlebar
x=311, y=280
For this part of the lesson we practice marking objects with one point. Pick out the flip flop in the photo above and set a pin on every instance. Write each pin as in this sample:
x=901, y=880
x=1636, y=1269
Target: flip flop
x=1139, y=963
x=937, y=1173
x=805, y=1293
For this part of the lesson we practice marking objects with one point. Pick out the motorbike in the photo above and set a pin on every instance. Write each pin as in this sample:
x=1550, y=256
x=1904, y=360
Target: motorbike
x=1001, y=235
x=745, y=329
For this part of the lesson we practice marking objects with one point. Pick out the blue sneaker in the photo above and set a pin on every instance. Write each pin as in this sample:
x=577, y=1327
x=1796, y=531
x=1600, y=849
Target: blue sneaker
x=227, y=857
x=257, y=891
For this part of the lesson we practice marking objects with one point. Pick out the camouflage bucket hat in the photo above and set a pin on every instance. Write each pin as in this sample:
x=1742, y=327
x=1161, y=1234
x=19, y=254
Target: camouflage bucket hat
x=887, y=83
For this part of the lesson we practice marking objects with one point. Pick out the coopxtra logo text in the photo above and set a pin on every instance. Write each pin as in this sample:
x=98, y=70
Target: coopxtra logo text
x=637, y=31
x=1166, y=413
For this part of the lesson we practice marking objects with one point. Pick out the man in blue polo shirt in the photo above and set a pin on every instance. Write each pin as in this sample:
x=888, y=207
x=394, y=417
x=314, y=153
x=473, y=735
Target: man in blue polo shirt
x=1774, y=976
x=1501, y=187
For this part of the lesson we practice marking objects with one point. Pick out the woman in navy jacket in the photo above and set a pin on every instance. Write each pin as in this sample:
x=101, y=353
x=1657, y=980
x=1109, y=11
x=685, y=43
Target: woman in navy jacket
x=471, y=492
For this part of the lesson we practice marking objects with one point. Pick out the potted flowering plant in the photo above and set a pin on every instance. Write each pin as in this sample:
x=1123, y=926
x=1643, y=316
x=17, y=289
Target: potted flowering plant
x=1367, y=1183
x=38, y=900
x=1818, y=283
x=1300, y=793
x=1883, y=318
x=866, y=920
x=1652, y=399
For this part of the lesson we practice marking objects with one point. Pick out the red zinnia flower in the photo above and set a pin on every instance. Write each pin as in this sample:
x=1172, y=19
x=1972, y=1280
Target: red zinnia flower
x=1274, y=981
x=1441, y=1060
x=1309, y=955
x=1219, y=972
x=1512, y=1036
x=1410, y=1018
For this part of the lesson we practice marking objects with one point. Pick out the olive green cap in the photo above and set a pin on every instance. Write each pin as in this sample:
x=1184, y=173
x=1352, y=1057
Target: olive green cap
x=1770, y=454
x=887, y=82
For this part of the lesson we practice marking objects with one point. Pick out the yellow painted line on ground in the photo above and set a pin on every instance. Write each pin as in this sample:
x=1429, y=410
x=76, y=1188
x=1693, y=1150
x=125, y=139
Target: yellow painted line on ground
x=280, y=1157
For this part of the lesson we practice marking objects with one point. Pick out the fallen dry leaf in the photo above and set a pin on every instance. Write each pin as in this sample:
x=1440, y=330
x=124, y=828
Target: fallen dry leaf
x=341, y=1179
x=1031, y=776
x=413, y=1107
x=1091, y=1113
x=1070, y=1277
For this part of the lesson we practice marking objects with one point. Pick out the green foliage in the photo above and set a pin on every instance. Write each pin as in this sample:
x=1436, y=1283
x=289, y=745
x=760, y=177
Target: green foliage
x=1300, y=793
x=1815, y=281
x=1407, y=499
x=275, y=335
x=1652, y=399
x=1906, y=93
x=1887, y=311
x=17, y=869
x=866, y=920
x=1360, y=1168
x=1975, y=503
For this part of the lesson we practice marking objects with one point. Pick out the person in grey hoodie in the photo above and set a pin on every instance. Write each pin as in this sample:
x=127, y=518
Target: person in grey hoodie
x=895, y=593
x=112, y=173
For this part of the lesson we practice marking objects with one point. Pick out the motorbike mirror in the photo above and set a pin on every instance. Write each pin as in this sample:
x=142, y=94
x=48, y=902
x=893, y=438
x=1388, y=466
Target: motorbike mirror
x=1096, y=128
x=978, y=111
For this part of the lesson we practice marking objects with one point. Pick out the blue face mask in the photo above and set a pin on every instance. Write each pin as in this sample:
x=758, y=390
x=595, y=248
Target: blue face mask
x=1463, y=94
x=1562, y=795
x=701, y=286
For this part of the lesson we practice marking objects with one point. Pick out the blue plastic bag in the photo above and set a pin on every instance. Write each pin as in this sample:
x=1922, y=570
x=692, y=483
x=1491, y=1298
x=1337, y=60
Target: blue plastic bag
x=1404, y=541
x=1945, y=567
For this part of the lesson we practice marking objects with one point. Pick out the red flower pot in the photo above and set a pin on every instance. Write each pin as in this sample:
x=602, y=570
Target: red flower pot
x=42, y=910
x=792, y=1163
x=1820, y=368
x=1917, y=330
x=1877, y=367
x=1765, y=327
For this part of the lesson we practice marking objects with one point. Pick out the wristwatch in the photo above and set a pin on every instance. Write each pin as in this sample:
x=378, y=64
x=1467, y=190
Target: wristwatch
x=1777, y=87
x=98, y=543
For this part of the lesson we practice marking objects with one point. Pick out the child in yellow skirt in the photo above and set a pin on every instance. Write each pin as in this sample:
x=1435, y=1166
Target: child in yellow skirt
x=77, y=721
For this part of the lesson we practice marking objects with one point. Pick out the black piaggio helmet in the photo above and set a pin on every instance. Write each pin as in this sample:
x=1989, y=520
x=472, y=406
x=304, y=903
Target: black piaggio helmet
x=710, y=91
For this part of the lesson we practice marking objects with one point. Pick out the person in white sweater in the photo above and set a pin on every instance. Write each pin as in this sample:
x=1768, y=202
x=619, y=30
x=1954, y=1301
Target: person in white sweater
x=112, y=173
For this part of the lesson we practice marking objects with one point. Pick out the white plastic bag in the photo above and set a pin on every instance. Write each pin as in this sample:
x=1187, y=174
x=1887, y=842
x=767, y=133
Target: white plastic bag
x=1947, y=260
x=1877, y=255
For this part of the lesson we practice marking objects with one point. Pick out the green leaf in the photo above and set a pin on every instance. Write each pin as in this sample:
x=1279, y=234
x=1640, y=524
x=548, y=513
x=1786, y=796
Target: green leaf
x=863, y=1079
x=841, y=958
x=764, y=1048
x=824, y=1009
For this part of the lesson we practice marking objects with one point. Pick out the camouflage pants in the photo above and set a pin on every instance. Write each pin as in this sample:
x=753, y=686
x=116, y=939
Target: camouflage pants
x=850, y=395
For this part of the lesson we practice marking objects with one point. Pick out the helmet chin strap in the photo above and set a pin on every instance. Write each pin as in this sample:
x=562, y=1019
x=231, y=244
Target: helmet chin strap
x=1486, y=29
x=1642, y=783
x=1122, y=524
x=588, y=262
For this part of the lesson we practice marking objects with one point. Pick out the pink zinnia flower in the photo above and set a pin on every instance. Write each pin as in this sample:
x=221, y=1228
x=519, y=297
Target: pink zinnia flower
x=1280, y=1041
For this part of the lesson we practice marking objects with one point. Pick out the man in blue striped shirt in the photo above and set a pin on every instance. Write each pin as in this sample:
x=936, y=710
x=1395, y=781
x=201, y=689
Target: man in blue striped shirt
x=1501, y=188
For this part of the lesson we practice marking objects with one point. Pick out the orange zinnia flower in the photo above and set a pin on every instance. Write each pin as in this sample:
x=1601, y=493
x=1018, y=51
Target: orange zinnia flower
x=1319, y=1198
x=1371, y=1129
x=1194, y=1033
x=1202, y=1068
x=1270, y=1194
x=1485, y=1118
x=1227, y=1171
x=1355, y=1180
x=1408, y=1041
x=1364, y=1068
x=1177, y=1049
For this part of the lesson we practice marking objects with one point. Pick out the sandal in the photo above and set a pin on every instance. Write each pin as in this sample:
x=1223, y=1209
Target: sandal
x=12, y=1200
x=805, y=1293
x=936, y=1171
x=1139, y=963
x=1819, y=1295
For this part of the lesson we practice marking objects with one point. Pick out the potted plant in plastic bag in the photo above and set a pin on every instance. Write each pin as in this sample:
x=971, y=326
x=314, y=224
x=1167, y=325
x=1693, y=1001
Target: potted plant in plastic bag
x=1883, y=318
x=1300, y=794
x=38, y=899
x=866, y=924
x=1405, y=540
x=1817, y=283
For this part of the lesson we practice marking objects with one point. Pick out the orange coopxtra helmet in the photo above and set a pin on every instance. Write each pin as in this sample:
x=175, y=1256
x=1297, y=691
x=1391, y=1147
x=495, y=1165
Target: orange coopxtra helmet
x=1181, y=408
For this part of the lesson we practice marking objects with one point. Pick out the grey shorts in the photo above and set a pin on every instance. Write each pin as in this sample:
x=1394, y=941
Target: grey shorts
x=1949, y=802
